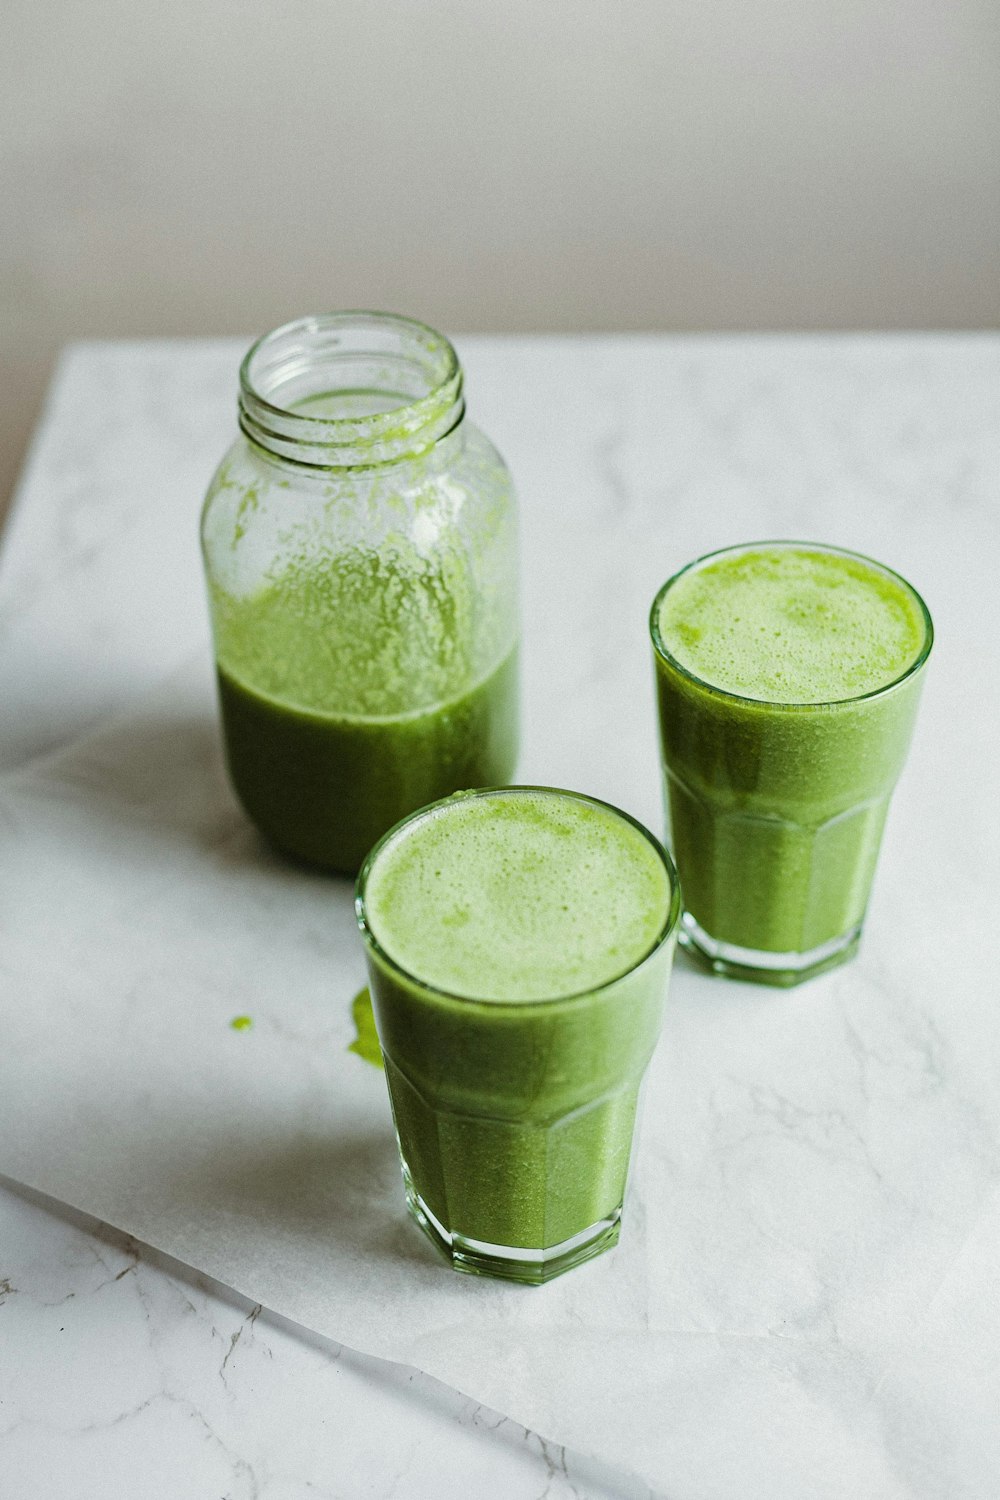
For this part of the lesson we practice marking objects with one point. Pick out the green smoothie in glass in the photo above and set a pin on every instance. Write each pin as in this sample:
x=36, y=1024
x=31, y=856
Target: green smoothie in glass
x=518, y=944
x=788, y=676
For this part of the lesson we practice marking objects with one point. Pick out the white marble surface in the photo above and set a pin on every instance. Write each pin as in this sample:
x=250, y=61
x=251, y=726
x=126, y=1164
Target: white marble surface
x=829, y=1261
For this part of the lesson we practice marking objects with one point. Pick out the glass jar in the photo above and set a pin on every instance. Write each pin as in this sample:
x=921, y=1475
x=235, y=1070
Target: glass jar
x=360, y=548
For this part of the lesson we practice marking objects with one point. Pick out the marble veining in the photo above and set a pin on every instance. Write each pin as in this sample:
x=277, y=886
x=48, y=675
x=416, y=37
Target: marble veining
x=122, y=1372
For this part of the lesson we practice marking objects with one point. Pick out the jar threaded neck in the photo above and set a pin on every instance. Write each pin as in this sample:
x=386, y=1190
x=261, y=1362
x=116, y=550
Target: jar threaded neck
x=350, y=390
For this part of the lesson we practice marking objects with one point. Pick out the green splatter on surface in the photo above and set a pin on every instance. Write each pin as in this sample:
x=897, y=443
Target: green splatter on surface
x=241, y=1023
x=365, y=1043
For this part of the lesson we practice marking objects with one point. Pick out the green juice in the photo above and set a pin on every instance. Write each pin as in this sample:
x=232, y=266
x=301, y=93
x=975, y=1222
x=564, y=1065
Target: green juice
x=788, y=679
x=519, y=944
x=351, y=694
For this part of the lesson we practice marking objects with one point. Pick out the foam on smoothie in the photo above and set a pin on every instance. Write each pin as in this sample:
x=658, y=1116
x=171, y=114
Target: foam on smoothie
x=792, y=625
x=518, y=896
x=355, y=634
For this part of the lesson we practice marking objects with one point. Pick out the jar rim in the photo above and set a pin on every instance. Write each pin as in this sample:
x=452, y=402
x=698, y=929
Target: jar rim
x=297, y=355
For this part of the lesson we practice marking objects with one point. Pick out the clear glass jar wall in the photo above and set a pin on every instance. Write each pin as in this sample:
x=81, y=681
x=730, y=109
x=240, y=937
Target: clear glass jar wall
x=360, y=548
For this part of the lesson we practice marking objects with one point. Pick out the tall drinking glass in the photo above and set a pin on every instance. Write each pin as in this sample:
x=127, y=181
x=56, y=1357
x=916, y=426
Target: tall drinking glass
x=518, y=944
x=788, y=677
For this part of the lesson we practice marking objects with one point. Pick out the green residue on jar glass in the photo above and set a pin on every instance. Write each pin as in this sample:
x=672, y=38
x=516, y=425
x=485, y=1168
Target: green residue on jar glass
x=356, y=633
x=241, y=1023
x=365, y=1043
x=249, y=503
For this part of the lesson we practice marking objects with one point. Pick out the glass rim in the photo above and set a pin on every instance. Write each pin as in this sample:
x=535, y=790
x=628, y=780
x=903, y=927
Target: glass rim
x=661, y=650
x=668, y=928
x=316, y=322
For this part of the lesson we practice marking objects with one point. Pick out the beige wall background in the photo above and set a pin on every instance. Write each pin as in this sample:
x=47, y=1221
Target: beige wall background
x=218, y=166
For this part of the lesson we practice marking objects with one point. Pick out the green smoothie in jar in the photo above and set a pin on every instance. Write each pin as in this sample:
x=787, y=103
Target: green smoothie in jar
x=312, y=711
x=360, y=544
x=788, y=677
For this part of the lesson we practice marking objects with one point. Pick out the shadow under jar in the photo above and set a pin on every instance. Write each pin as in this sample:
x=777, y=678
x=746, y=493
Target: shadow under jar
x=360, y=549
x=788, y=677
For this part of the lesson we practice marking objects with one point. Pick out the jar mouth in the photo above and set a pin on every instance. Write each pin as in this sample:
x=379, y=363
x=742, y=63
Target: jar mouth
x=349, y=390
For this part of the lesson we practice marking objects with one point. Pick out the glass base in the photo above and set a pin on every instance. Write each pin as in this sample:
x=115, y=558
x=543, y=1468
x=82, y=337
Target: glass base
x=757, y=965
x=511, y=1262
